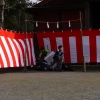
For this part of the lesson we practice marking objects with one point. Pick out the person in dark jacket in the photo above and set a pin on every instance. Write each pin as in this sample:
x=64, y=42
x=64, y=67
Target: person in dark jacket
x=58, y=57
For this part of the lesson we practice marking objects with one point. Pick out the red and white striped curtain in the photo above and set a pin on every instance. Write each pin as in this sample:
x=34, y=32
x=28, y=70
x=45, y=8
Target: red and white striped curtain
x=73, y=44
x=14, y=47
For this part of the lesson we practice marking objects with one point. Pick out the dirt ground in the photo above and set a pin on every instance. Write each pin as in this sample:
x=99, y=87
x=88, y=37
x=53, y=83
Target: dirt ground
x=50, y=86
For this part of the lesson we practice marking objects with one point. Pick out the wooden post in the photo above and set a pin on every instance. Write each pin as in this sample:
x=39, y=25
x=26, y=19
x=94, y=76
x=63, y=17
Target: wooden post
x=84, y=63
x=25, y=66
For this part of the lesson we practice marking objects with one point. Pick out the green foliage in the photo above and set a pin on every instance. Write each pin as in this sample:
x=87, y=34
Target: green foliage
x=14, y=15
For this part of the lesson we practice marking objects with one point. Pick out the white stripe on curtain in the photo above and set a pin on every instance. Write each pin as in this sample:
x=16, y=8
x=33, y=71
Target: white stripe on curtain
x=47, y=44
x=59, y=41
x=73, y=49
x=98, y=48
x=86, y=48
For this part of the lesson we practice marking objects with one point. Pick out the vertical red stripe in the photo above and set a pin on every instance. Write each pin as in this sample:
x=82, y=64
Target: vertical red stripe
x=40, y=39
x=66, y=48
x=93, y=56
x=79, y=46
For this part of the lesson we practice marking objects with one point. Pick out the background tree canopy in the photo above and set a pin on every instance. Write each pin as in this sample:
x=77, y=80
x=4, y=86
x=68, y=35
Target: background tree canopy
x=14, y=15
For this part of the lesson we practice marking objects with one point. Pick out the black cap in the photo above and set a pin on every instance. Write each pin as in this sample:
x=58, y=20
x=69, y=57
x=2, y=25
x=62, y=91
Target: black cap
x=60, y=46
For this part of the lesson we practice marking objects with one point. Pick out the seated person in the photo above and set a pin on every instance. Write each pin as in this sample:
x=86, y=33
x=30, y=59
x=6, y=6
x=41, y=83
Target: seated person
x=58, y=57
x=40, y=62
x=43, y=53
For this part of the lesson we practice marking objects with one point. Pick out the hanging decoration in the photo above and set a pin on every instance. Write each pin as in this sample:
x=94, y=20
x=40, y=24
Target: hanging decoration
x=69, y=21
x=57, y=24
x=69, y=24
x=48, y=25
x=36, y=24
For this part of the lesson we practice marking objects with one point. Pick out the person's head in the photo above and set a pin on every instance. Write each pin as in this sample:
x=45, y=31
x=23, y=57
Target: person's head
x=60, y=47
x=42, y=48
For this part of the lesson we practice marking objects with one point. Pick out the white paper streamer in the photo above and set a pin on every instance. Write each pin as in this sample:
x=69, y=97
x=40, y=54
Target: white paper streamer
x=48, y=25
x=57, y=24
x=69, y=24
x=36, y=24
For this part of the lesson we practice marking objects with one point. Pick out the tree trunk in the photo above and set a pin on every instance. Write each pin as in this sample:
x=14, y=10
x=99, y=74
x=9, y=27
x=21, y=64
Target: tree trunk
x=0, y=16
x=1, y=13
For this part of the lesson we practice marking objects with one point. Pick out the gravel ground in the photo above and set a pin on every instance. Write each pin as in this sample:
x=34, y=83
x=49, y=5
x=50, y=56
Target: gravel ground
x=50, y=86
